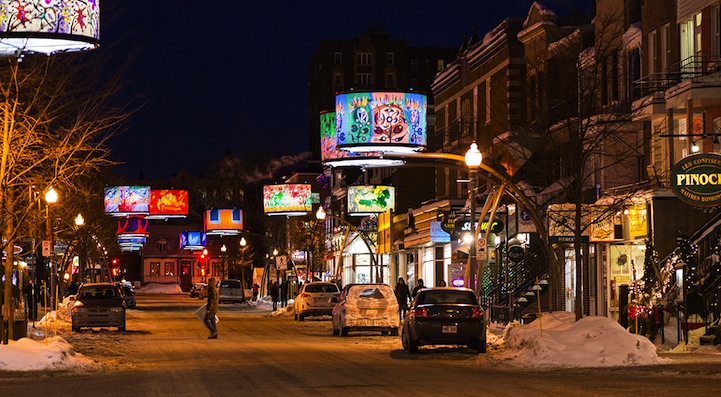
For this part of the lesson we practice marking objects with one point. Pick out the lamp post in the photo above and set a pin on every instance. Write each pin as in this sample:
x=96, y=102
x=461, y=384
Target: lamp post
x=473, y=161
x=223, y=249
x=51, y=197
x=243, y=244
x=79, y=222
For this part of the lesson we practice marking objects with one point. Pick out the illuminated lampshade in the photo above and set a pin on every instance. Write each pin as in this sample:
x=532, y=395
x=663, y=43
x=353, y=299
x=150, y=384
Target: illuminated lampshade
x=49, y=26
x=388, y=122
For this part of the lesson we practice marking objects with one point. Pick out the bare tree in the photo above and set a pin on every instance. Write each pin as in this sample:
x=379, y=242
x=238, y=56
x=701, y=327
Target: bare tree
x=57, y=116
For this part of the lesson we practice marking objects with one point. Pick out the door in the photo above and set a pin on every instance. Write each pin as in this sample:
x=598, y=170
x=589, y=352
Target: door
x=186, y=276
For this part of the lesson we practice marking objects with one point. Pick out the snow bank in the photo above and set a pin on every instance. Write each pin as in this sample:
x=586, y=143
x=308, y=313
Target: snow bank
x=30, y=355
x=156, y=288
x=589, y=342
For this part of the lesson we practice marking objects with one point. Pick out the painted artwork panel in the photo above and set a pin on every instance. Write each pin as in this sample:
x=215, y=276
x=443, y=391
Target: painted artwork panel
x=370, y=199
x=53, y=17
x=127, y=199
x=224, y=220
x=381, y=118
x=169, y=202
x=287, y=198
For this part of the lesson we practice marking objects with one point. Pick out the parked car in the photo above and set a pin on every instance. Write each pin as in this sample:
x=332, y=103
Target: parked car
x=314, y=299
x=98, y=305
x=365, y=307
x=196, y=288
x=445, y=316
x=231, y=290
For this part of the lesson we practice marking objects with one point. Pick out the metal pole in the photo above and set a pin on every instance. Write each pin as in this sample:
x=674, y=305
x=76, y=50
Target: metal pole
x=471, y=282
x=51, y=258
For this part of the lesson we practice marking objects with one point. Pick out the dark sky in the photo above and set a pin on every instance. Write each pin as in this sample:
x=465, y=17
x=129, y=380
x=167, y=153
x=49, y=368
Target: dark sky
x=234, y=73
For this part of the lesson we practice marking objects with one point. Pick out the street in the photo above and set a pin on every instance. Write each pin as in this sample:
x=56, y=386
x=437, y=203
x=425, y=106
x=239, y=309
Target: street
x=165, y=351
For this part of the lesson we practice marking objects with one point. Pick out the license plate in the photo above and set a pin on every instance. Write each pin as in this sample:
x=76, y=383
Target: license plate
x=450, y=329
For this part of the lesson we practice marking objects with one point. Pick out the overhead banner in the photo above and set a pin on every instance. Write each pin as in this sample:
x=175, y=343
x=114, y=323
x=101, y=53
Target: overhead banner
x=370, y=199
x=287, y=199
x=223, y=222
x=168, y=203
x=127, y=200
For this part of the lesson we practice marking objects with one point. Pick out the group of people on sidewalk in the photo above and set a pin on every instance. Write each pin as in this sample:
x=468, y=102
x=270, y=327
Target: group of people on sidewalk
x=404, y=296
x=279, y=293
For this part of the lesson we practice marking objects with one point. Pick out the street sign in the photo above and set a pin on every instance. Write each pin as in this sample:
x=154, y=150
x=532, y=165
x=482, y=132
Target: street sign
x=281, y=262
x=46, y=248
x=481, y=249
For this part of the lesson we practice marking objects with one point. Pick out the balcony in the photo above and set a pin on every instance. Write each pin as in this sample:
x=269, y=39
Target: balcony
x=459, y=134
x=691, y=68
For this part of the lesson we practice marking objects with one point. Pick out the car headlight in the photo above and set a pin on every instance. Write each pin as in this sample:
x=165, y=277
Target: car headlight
x=116, y=309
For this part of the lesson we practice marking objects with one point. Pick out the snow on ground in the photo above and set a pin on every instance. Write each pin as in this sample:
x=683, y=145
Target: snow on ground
x=589, y=342
x=157, y=288
x=558, y=340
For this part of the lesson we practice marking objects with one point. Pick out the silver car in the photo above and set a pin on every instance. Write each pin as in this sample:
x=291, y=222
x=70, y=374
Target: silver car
x=314, y=299
x=98, y=305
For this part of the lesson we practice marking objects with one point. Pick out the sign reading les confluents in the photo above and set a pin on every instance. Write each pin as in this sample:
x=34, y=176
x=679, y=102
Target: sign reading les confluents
x=697, y=180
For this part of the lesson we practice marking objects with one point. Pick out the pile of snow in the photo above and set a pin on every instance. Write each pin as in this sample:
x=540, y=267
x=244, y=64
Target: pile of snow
x=589, y=342
x=157, y=288
x=31, y=355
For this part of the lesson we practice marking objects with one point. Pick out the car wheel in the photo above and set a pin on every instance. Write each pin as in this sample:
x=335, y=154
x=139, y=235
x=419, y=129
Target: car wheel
x=301, y=317
x=478, y=345
x=295, y=317
x=344, y=331
x=394, y=332
x=121, y=328
x=410, y=345
x=335, y=330
x=76, y=329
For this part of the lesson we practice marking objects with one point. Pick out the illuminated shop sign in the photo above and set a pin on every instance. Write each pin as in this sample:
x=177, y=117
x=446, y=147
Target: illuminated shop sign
x=696, y=180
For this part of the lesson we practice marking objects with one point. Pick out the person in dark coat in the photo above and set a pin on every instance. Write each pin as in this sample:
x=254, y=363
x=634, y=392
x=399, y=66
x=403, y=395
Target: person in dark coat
x=31, y=301
x=212, y=308
x=418, y=287
x=284, y=293
x=403, y=296
x=274, y=294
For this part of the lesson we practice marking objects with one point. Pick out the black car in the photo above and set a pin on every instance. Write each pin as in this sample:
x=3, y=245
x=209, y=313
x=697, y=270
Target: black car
x=445, y=316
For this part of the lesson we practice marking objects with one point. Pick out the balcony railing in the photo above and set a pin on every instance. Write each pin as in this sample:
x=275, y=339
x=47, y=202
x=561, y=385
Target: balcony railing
x=690, y=68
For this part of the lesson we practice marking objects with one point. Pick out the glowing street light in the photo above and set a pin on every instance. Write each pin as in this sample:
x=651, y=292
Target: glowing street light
x=473, y=161
x=79, y=220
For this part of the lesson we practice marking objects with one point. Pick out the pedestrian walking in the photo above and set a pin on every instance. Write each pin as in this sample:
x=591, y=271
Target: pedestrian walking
x=274, y=294
x=403, y=296
x=212, y=308
x=256, y=290
x=31, y=301
x=284, y=293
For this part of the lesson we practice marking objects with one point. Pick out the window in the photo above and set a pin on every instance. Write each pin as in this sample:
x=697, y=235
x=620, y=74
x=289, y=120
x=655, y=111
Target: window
x=414, y=65
x=441, y=65
x=337, y=58
x=665, y=51
x=337, y=82
x=390, y=58
x=162, y=245
x=390, y=80
x=652, y=53
x=364, y=79
x=155, y=268
x=365, y=58
x=169, y=268
x=427, y=63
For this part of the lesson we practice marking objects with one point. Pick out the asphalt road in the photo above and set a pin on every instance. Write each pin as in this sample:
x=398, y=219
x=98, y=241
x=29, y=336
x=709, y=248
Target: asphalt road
x=165, y=352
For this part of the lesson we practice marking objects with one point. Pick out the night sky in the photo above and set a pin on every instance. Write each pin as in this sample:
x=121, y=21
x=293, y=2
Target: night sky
x=233, y=74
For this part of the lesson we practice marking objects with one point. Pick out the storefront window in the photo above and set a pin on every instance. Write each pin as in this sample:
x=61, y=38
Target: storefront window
x=155, y=268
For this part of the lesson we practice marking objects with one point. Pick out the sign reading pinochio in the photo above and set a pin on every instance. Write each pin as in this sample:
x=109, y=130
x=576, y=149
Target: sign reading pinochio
x=697, y=180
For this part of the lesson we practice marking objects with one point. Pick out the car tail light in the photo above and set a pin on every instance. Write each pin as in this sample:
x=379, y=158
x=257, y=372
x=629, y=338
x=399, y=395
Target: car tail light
x=304, y=295
x=476, y=313
x=350, y=308
x=392, y=308
x=421, y=312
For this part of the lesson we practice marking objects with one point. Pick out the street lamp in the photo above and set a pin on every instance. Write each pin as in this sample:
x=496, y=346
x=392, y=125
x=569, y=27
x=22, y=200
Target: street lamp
x=51, y=197
x=79, y=222
x=243, y=243
x=473, y=161
x=223, y=249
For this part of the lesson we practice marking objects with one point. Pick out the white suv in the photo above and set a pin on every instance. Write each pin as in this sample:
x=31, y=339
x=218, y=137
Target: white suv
x=314, y=299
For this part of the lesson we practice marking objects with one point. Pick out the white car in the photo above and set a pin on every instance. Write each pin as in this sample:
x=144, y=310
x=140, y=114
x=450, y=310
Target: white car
x=366, y=307
x=314, y=299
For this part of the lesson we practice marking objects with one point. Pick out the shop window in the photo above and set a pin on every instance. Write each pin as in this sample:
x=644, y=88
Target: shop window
x=155, y=268
x=170, y=269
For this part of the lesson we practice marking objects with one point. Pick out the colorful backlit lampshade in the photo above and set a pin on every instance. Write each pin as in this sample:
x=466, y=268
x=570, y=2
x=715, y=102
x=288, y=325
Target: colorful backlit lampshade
x=332, y=157
x=371, y=199
x=133, y=227
x=194, y=240
x=223, y=222
x=49, y=26
x=166, y=204
x=127, y=200
x=387, y=122
x=290, y=199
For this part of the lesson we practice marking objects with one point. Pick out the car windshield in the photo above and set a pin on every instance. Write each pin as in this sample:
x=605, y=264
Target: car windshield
x=230, y=284
x=445, y=297
x=97, y=292
x=370, y=292
x=321, y=288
